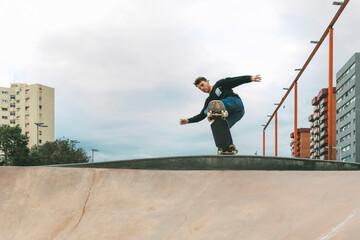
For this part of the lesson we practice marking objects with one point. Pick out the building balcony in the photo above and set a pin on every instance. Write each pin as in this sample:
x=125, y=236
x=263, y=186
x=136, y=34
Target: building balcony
x=316, y=116
x=324, y=157
x=325, y=100
x=323, y=151
x=317, y=123
x=324, y=125
x=323, y=110
x=311, y=118
x=323, y=135
x=324, y=142
x=323, y=118
x=316, y=131
x=316, y=108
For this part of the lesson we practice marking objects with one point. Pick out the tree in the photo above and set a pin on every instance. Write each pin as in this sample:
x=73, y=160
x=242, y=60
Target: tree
x=61, y=151
x=13, y=144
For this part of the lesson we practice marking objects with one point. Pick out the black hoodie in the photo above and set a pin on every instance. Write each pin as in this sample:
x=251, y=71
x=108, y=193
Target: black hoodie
x=222, y=89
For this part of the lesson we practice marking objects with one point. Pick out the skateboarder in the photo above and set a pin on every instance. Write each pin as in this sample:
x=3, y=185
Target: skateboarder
x=222, y=90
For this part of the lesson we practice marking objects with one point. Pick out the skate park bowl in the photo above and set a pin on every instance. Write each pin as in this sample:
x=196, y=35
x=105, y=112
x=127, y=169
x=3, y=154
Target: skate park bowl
x=193, y=197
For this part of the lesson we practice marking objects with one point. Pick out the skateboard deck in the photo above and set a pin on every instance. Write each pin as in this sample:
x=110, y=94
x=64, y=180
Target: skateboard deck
x=220, y=128
x=221, y=132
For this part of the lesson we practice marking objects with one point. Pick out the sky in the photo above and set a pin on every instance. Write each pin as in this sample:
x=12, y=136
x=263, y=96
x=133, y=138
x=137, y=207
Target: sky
x=123, y=70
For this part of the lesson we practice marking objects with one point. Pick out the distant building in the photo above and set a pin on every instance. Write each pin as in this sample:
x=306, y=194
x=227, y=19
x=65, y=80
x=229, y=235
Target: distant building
x=25, y=105
x=319, y=126
x=303, y=143
x=348, y=110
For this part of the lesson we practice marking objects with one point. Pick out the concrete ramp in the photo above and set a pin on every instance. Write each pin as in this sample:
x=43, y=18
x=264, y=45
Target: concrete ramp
x=70, y=203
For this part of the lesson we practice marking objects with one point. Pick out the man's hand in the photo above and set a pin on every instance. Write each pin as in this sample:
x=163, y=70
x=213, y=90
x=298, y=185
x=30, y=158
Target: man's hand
x=184, y=121
x=256, y=78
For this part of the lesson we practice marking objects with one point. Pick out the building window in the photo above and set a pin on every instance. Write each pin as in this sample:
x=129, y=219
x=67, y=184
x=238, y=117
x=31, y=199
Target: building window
x=346, y=159
x=12, y=121
x=4, y=101
x=346, y=94
x=346, y=73
x=352, y=66
x=345, y=116
x=346, y=148
x=345, y=127
x=12, y=113
x=346, y=105
x=4, y=92
x=4, y=109
x=4, y=117
x=40, y=107
x=12, y=97
x=12, y=105
x=345, y=84
x=345, y=137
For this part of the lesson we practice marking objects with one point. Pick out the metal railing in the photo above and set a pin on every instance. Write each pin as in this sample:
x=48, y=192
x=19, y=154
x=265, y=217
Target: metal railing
x=331, y=141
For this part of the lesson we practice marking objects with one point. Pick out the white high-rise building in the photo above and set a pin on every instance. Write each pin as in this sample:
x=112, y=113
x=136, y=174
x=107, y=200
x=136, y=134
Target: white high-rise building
x=25, y=105
x=348, y=111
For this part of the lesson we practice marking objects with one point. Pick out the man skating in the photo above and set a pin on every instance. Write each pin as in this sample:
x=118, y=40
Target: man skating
x=222, y=90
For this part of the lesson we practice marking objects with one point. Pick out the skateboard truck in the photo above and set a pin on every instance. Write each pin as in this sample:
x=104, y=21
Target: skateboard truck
x=216, y=109
x=212, y=115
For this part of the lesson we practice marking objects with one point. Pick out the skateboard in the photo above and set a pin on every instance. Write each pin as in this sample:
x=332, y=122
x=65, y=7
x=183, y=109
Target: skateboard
x=217, y=114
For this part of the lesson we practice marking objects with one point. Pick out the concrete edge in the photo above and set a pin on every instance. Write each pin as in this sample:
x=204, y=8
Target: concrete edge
x=215, y=162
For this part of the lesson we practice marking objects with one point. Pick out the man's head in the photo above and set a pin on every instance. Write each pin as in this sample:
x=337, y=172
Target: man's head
x=203, y=84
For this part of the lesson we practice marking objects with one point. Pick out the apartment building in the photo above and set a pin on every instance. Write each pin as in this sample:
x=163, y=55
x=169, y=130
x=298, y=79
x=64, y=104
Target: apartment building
x=348, y=110
x=303, y=143
x=319, y=126
x=25, y=105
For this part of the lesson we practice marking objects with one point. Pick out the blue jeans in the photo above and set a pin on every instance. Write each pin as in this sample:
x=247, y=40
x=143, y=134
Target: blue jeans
x=235, y=107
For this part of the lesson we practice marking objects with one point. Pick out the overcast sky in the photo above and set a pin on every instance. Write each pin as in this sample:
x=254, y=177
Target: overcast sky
x=123, y=69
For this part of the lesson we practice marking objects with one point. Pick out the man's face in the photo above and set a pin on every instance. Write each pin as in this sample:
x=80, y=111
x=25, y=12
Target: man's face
x=204, y=86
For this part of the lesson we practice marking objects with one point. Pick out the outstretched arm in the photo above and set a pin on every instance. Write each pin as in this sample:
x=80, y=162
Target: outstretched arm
x=256, y=78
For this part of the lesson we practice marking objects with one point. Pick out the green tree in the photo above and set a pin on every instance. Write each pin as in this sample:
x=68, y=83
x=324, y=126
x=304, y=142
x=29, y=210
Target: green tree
x=61, y=151
x=13, y=144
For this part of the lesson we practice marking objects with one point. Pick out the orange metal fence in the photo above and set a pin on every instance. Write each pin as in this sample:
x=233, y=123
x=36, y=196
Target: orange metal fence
x=328, y=30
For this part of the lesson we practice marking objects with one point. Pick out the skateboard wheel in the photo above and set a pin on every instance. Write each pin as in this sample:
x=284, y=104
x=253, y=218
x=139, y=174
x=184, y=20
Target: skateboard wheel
x=224, y=114
x=210, y=116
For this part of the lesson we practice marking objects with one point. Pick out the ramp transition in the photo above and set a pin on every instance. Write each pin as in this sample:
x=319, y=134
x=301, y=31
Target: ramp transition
x=93, y=203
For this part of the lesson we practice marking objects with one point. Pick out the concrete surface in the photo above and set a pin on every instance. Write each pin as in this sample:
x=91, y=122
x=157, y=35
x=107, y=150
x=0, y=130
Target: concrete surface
x=72, y=203
x=214, y=162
